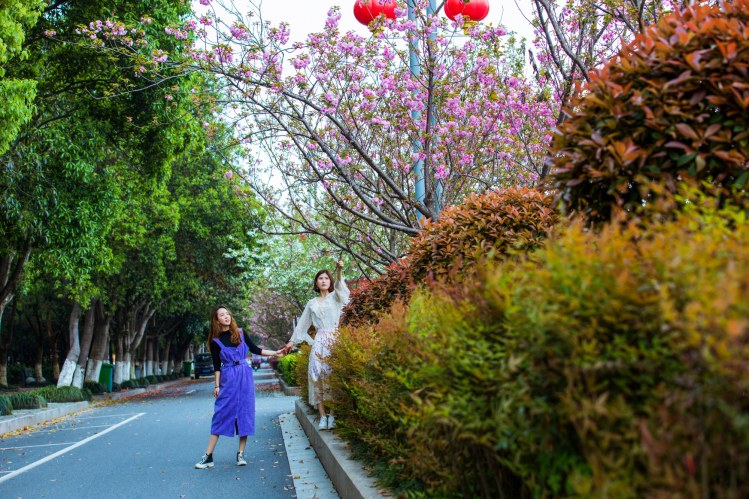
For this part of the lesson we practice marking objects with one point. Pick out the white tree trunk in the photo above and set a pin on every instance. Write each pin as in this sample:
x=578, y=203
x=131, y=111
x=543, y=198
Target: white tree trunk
x=67, y=373
x=93, y=370
x=119, y=352
x=71, y=361
x=77, y=377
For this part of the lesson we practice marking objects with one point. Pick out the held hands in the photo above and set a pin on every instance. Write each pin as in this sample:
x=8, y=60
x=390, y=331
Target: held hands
x=286, y=349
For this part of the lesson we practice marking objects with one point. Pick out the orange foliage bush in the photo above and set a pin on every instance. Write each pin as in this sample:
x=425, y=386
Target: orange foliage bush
x=491, y=225
x=674, y=104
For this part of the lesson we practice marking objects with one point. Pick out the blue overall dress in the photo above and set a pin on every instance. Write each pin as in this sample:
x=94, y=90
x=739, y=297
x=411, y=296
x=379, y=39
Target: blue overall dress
x=234, y=409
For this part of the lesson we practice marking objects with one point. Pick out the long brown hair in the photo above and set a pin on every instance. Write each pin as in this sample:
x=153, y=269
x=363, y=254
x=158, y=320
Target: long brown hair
x=216, y=331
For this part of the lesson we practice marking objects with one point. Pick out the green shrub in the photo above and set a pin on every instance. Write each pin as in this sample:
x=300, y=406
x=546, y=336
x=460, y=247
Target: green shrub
x=302, y=364
x=60, y=394
x=27, y=401
x=287, y=368
x=672, y=105
x=6, y=407
x=87, y=395
x=143, y=382
x=152, y=379
x=95, y=387
x=116, y=387
x=607, y=364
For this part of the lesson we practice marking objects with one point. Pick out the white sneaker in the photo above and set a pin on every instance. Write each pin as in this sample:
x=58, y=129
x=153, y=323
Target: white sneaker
x=323, y=424
x=240, y=459
x=205, y=462
x=331, y=422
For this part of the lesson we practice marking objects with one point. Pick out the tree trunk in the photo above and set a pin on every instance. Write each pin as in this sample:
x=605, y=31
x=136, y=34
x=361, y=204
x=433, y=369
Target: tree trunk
x=166, y=362
x=70, y=365
x=36, y=325
x=148, y=357
x=86, y=340
x=5, y=341
x=156, y=356
x=99, y=347
x=11, y=268
x=138, y=322
x=119, y=359
x=52, y=336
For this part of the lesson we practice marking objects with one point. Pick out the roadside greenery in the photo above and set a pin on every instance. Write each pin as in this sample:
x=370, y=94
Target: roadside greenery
x=287, y=367
x=117, y=222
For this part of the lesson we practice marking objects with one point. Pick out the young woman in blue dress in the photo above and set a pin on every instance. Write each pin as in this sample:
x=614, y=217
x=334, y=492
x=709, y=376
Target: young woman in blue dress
x=234, y=408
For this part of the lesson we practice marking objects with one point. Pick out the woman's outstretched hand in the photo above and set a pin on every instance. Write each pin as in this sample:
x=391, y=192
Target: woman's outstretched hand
x=339, y=264
x=286, y=349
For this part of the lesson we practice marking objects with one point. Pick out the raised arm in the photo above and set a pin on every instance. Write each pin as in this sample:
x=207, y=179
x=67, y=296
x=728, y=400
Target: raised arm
x=341, y=291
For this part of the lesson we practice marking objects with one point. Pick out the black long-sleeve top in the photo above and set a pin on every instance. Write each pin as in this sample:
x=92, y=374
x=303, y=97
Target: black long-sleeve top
x=225, y=338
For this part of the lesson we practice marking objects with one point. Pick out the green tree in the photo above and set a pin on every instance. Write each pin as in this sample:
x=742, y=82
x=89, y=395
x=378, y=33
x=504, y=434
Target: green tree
x=16, y=18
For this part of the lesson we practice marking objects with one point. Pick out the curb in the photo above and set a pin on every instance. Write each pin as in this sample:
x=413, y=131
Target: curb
x=347, y=475
x=291, y=391
x=36, y=416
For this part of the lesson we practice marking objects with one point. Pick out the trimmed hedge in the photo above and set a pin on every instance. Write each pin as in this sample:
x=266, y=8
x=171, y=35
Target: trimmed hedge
x=607, y=364
x=374, y=297
x=674, y=104
x=6, y=407
x=493, y=225
x=287, y=368
x=61, y=394
x=95, y=387
x=27, y=401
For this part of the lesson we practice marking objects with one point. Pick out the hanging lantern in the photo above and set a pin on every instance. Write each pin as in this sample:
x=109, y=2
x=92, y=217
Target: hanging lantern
x=366, y=11
x=472, y=11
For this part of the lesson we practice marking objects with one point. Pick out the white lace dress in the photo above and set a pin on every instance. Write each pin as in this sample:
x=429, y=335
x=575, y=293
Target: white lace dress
x=324, y=314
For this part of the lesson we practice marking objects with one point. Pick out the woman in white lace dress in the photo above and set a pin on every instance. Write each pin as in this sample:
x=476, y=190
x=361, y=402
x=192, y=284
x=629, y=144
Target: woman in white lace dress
x=324, y=311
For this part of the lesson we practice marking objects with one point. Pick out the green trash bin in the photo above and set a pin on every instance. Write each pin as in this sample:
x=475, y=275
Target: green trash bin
x=187, y=369
x=105, y=376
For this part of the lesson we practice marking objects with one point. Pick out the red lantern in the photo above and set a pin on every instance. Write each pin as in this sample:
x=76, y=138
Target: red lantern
x=366, y=11
x=472, y=11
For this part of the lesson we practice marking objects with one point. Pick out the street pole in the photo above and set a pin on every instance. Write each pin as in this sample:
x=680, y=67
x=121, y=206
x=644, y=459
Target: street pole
x=418, y=168
x=415, y=68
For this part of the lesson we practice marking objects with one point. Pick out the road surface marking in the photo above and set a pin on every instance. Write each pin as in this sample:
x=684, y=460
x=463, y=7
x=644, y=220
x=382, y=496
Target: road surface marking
x=30, y=446
x=189, y=392
x=109, y=416
x=67, y=449
x=73, y=428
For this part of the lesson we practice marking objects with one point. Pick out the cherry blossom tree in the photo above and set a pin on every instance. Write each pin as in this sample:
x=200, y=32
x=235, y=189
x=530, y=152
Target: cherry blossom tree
x=334, y=125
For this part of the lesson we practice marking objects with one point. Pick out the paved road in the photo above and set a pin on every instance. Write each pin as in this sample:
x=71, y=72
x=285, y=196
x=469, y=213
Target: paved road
x=146, y=447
